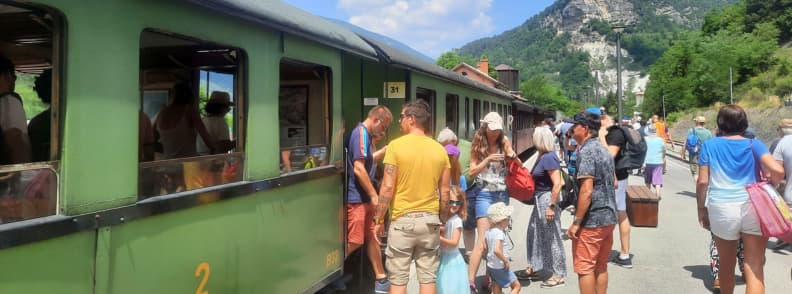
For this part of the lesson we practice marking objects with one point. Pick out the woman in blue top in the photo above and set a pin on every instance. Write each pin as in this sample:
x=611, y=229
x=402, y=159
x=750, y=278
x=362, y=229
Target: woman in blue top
x=729, y=163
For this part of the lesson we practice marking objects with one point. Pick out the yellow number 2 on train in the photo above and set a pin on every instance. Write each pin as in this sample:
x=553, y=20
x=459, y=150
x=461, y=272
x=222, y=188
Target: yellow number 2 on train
x=202, y=267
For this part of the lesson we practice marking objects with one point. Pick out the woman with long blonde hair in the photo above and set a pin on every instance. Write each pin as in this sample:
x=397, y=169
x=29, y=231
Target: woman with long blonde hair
x=488, y=155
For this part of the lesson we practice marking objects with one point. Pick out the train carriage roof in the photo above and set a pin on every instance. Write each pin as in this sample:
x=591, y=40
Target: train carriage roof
x=287, y=18
x=404, y=59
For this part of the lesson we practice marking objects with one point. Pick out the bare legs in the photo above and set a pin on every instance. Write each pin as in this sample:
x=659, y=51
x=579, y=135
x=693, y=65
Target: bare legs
x=596, y=283
x=624, y=232
x=754, y=263
x=482, y=225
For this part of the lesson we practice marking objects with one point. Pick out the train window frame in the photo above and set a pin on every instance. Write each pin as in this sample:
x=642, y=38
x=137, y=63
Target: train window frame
x=223, y=169
x=452, y=106
x=34, y=186
x=467, y=117
x=476, y=115
x=315, y=154
x=432, y=101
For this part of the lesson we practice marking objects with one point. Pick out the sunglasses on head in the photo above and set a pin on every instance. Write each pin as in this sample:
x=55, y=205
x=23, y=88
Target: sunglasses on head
x=455, y=202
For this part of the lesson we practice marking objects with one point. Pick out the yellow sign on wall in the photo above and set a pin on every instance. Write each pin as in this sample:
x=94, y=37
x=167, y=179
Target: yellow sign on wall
x=395, y=90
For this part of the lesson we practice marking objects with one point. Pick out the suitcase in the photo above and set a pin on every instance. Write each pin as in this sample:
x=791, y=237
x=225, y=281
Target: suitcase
x=642, y=206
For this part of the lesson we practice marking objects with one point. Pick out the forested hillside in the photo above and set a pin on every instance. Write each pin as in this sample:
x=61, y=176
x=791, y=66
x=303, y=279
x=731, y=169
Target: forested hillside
x=558, y=49
x=745, y=37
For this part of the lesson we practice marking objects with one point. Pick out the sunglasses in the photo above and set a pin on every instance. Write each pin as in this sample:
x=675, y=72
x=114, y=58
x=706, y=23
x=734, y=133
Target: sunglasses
x=455, y=202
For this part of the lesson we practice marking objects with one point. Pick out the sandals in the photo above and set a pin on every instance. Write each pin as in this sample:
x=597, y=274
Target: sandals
x=553, y=282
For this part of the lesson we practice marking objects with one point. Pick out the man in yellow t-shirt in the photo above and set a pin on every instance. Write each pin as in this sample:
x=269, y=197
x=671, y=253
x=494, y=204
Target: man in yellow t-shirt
x=416, y=168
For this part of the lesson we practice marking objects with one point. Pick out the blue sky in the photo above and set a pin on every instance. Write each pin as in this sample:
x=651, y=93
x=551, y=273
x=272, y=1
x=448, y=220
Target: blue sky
x=429, y=26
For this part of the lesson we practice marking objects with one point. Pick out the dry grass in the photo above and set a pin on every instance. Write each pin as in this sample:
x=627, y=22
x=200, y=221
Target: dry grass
x=763, y=118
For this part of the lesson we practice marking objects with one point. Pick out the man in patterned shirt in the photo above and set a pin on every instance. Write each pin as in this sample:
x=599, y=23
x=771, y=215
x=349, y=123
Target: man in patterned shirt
x=595, y=216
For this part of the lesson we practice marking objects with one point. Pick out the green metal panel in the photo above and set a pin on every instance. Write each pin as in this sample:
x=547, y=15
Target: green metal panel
x=351, y=97
x=63, y=265
x=280, y=241
x=374, y=77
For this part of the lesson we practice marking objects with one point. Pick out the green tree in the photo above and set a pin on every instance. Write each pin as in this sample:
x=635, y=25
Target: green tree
x=777, y=12
x=542, y=93
x=452, y=58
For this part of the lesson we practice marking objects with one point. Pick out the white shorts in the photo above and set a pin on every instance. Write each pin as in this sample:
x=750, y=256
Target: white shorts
x=728, y=220
x=621, y=196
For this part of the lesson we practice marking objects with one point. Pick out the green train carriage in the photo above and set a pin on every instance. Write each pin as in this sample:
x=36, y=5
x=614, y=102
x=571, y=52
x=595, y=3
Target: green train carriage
x=266, y=217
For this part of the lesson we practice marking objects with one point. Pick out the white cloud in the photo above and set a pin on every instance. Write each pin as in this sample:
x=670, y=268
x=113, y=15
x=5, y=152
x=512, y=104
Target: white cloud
x=429, y=26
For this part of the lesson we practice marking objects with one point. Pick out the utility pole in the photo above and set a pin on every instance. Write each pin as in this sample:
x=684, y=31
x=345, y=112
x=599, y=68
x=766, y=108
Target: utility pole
x=618, y=29
x=664, y=113
x=731, y=87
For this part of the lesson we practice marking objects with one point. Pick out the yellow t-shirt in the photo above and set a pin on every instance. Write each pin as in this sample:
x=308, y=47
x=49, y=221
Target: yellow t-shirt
x=420, y=162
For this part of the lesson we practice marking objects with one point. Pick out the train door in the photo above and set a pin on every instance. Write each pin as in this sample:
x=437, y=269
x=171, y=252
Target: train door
x=452, y=112
x=429, y=96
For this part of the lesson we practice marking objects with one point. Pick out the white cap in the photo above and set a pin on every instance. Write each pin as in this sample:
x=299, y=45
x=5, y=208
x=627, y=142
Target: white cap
x=494, y=121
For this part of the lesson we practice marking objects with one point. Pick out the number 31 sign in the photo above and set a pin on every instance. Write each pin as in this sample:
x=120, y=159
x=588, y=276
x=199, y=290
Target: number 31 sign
x=394, y=90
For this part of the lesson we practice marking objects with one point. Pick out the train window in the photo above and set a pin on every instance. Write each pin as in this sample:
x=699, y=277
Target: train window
x=191, y=114
x=474, y=123
x=467, y=117
x=30, y=38
x=452, y=112
x=303, y=115
x=430, y=97
x=486, y=107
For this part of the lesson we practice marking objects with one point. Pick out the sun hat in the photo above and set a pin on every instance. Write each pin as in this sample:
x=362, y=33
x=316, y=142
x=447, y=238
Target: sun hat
x=499, y=211
x=220, y=97
x=594, y=110
x=493, y=120
x=785, y=123
x=700, y=119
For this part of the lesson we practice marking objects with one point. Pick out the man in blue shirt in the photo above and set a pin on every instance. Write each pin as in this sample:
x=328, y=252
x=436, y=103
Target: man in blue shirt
x=702, y=134
x=361, y=193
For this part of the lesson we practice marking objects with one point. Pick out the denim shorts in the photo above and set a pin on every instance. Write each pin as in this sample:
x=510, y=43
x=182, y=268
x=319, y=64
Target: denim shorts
x=478, y=203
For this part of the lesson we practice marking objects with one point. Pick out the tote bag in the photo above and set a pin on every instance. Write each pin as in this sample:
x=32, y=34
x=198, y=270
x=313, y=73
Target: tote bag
x=771, y=209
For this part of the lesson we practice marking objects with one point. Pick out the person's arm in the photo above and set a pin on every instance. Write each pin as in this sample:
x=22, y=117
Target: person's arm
x=555, y=176
x=387, y=189
x=702, y=184
x=445, y=194
x=583, y=204
x=379, y=154
x=454, y=241
x=476, y=165
x=775, y=171
x=362, y=176
x=498, y=250
x=17, y=145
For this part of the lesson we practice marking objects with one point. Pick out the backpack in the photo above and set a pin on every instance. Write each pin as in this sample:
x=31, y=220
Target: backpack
x=692, y=143
x=633, y=153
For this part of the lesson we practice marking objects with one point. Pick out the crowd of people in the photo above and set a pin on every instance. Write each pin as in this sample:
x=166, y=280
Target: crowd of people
x=589, y=152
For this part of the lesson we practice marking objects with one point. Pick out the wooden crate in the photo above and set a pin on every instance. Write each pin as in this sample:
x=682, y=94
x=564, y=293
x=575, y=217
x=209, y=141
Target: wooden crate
x=642, y=206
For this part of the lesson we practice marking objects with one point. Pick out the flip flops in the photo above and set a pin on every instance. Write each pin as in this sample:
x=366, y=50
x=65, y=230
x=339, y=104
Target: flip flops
x=525, y=274
x=553, y=282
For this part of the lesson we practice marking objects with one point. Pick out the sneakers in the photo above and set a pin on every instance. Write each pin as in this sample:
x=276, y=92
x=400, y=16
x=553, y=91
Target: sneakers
x=382, y=286
x=716, y=285
x=625, y=263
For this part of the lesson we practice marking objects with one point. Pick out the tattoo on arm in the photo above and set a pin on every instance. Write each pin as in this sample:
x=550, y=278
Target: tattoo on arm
x=387, y=190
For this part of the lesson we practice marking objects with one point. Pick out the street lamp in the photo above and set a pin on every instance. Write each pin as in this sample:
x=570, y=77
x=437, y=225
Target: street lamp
x=619, y=29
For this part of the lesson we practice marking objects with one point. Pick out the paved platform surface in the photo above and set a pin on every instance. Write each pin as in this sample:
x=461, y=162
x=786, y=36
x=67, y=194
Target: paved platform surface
x=672, y=258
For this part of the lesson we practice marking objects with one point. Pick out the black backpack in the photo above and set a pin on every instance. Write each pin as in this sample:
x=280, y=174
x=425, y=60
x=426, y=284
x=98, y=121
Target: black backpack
x=633, y=153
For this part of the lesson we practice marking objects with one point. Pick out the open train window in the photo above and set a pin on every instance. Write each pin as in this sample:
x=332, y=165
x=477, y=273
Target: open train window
x=30, y=71
x=430, y=96
x=452, y=112
x=304, y=115
x=191, y=116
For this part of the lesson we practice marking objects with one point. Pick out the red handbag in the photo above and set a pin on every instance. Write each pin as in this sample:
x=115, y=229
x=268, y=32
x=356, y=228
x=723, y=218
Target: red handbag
x=519, y=182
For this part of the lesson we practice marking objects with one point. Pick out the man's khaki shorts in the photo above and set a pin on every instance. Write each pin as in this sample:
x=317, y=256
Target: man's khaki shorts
x=413, y=236
x=694, y=167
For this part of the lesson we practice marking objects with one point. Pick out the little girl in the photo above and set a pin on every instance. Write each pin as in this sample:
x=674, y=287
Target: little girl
x=497, y=252
x=452, y=275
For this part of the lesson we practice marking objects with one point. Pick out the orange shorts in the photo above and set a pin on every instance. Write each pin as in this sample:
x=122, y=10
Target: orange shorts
x=360, y=223
x=591, y=250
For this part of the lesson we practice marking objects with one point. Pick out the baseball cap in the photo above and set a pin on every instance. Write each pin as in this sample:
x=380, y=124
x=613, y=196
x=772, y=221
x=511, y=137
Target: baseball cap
x=494, y=121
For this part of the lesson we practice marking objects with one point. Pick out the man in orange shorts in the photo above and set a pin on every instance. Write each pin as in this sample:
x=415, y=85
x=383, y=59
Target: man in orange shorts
x=595, y=215
x=361, y=193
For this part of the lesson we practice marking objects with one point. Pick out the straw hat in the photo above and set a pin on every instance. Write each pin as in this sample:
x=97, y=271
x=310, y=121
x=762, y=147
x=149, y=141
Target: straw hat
x=785, y=123
x=499, y=211
x=700, y=119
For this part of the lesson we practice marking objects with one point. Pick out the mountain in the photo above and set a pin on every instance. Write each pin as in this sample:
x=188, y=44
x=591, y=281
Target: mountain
x=572, y=43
